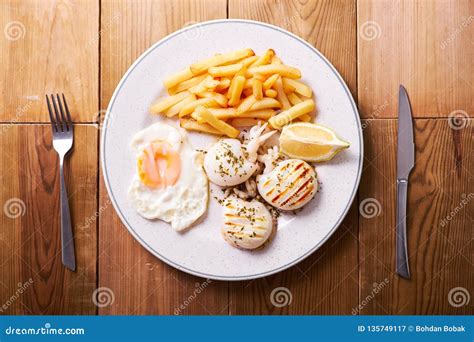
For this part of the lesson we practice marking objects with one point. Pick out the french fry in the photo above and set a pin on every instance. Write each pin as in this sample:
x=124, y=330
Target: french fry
x=270, y=81
x=186, y=84
x=264, y=59
x=257, y=86
x=282, y=70
x=298, y=87
x=305, y=118
x=231, y=113
x=236, y=87
x=249, y=60
x=168, y=102
x=195, y=116
x=224, y=83
x=220, y=125
x=190, y=107
x=179, y=77
x=201, y=66
x=294, y=99
x=192, y=125
x=225, y=70
x=242, y=72
x=281, y=96
x=246, y=104
x=247, y=92
x=276, y=60
x=174, y=110
x=265, y=103
x=219, y=98
x=263, y=114
x=223, y=113
x=207, y=84
x=271, y=93
x=245, y=122
x=287, y=88
x=248, y=83
x=287, y=116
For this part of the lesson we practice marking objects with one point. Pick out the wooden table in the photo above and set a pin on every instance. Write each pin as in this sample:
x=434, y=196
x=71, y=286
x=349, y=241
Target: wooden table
x=83, y=48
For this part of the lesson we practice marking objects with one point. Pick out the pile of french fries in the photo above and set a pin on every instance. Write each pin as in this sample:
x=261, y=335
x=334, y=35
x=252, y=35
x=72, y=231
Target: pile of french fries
x=220, y=94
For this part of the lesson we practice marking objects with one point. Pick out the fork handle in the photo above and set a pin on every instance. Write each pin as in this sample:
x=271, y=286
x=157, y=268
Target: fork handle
x=67, y=239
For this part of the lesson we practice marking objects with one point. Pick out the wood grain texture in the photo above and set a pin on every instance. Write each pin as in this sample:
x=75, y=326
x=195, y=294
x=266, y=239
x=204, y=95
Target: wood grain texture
x=30, y=235
x=128, y=28
x=140, y=282
x=327, y=25
x=424, y=45
x=48, y=46
x=326, y=282
x=440, y=220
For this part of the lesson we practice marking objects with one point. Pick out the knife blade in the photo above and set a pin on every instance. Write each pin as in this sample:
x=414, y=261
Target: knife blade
x=405, y=163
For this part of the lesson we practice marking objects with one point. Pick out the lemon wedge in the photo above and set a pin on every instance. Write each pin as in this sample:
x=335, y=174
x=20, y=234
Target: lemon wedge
x=310, y=142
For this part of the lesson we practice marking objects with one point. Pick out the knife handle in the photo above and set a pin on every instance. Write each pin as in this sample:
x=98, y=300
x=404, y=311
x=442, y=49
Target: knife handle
x=402, y=250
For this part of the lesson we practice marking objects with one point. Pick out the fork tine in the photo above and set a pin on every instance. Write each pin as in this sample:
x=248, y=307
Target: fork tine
x=56, y=112
x=50, y=111
x=63, y=116
x=67, y=111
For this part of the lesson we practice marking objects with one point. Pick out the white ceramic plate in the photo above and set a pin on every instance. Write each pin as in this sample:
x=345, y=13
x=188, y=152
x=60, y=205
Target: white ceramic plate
x=201, y=250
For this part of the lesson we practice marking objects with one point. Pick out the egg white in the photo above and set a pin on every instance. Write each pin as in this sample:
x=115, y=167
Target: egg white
x=184, y=202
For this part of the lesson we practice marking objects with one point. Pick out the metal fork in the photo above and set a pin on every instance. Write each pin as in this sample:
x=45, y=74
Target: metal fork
x=63, y=137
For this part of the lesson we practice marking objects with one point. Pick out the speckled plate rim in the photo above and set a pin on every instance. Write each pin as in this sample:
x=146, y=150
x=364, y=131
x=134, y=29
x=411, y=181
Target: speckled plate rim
x=146, y=245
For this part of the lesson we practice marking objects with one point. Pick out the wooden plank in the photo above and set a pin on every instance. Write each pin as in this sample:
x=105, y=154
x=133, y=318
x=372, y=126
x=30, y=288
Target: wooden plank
x=425, y=45
x=327, y=282
x=440, y=219
x=140, y=283
x=48, y=46
x=327, y=25
x=34, y=280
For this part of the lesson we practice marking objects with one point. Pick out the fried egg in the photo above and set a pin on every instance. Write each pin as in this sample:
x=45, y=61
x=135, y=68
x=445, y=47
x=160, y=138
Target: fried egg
x=290, y=185
x=170, y=183
x=246, y=224
x=226, y=163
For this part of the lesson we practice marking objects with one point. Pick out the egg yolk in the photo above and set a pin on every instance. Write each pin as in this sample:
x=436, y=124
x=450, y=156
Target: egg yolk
x=159, y=165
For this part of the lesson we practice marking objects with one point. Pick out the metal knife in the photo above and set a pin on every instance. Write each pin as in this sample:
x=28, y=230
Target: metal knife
x=405, y=162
